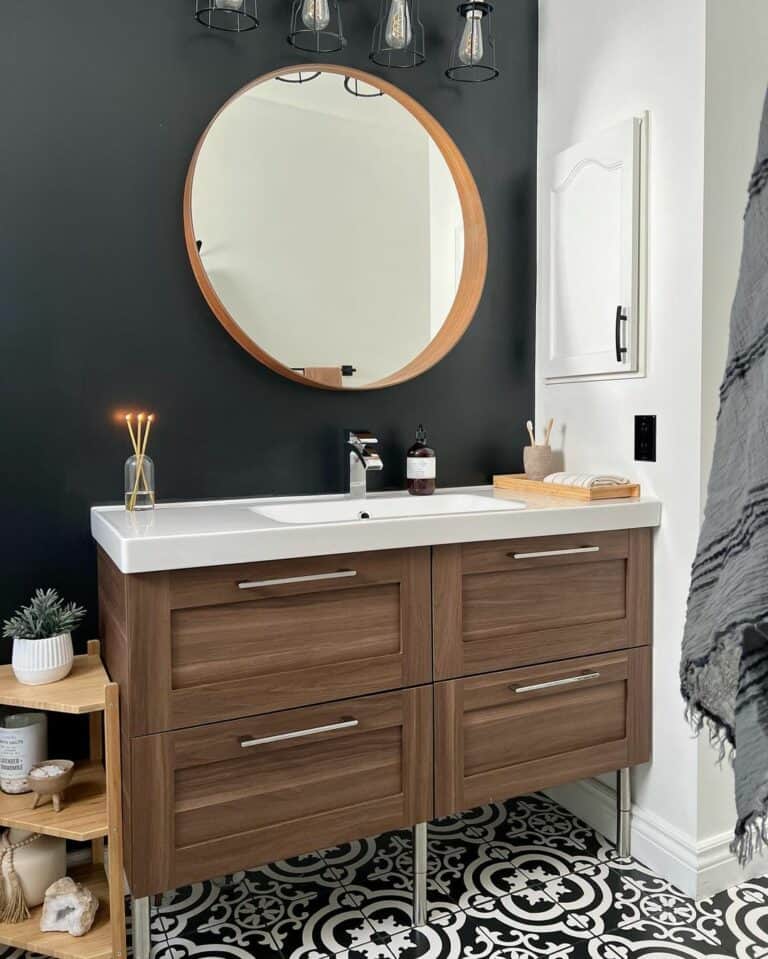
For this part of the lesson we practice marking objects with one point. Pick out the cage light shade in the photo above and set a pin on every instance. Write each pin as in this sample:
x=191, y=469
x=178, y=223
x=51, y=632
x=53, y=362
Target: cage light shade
x=360, y=89
x=316, y=26
x=301, y=76
x=398, y=36
x=473, y=55
x=232, y=16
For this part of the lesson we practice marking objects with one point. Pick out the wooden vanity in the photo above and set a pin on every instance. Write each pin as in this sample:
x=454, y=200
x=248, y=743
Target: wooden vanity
x=272, y=708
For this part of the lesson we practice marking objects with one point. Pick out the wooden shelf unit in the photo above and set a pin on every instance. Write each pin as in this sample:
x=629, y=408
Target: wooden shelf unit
x=97, y=944
x=91, y=809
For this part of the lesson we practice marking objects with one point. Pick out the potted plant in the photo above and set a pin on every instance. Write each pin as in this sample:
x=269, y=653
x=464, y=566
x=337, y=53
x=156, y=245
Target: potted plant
x=42, y=638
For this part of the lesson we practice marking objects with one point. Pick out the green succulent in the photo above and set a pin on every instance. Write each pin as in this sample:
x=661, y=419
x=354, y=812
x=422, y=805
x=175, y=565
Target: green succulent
x=46, y=615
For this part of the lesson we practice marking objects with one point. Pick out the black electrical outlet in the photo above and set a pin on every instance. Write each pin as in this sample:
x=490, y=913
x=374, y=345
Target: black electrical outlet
x=645, y=438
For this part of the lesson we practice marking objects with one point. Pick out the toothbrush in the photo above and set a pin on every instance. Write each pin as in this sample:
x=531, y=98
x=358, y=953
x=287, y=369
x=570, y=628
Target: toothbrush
x=529, y=427
x=550, y=424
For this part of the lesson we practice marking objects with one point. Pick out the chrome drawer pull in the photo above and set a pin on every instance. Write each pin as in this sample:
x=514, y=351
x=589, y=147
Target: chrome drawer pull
x=255, y=584
x=300, y=733
x=555, y=682
x=555, y=552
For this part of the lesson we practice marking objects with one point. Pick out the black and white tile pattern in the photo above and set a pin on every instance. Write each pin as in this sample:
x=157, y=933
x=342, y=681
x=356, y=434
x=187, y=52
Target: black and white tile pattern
x=517, y=880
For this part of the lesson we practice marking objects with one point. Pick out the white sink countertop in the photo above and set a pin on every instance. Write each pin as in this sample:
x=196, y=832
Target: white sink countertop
x=187, y=535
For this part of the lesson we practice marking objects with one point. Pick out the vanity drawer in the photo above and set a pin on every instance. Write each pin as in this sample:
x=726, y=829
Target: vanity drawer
x=516, y=602
x=228, y=641
x=508, y=733
x=225, y=797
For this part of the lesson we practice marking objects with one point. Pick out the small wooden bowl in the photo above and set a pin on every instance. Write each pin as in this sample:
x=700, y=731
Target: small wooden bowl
x=51, y=785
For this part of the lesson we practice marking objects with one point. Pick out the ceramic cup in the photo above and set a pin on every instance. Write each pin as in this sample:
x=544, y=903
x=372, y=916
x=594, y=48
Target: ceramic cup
x=539, y=461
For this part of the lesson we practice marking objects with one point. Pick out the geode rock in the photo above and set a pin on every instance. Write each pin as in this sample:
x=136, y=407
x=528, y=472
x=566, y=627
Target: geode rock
x=68, y=907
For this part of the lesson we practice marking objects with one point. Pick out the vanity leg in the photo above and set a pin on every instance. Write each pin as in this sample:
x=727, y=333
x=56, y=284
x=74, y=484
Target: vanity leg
x=623, y=813
x=420, y=874
x=141, y=937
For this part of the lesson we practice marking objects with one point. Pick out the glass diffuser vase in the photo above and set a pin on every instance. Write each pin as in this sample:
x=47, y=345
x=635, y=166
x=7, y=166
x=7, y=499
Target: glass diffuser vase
x=139, y=483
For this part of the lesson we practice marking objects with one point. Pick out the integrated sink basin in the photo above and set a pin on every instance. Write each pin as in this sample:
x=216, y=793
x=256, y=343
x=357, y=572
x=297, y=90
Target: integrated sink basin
x=384, y=507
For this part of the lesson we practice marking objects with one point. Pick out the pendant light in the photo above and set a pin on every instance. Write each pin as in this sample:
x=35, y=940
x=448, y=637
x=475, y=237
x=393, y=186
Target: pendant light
x=316, y=26
x=232, y=16
x=473, y=57
x=398, y=37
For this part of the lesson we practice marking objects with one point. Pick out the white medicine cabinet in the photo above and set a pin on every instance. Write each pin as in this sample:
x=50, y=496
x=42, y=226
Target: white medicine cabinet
x=592, y=249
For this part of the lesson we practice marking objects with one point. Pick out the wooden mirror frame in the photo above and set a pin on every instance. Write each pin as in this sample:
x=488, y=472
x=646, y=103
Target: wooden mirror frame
x=474, y=267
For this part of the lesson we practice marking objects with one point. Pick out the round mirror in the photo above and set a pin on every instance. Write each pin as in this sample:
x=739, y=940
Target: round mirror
x=334, y=228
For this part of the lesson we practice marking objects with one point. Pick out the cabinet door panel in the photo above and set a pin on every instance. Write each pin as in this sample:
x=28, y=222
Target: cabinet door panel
x=506, y=733
x=228, y=641
x=212, y=803
x=509, y=603
x=592, y=256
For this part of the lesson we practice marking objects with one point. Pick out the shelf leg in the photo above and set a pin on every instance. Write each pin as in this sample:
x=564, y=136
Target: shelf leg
x=96, y=739
x=141, y=937
x=623, y=813
x=115, y=870
x=420, y=874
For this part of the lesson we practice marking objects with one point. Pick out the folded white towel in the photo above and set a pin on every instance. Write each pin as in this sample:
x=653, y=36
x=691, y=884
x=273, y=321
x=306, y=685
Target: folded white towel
x=586, y=480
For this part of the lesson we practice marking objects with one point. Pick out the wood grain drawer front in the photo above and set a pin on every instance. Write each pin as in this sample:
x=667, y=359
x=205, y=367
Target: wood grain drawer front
x=514, y=602
x=225, y=797
x=239, y=640
x=506, y=733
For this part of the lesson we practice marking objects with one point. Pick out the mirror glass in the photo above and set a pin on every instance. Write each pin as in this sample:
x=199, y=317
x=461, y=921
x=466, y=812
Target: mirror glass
x=325, y=227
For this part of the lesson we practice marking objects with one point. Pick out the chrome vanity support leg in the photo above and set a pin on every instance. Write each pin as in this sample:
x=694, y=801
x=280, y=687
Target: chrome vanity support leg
x=420, y=874
x=623, y=813
x=141, y=937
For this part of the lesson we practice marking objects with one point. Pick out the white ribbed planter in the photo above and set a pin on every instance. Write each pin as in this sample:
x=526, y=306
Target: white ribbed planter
x=39, y=661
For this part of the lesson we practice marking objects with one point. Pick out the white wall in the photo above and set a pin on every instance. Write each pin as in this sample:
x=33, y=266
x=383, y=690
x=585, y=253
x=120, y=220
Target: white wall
x=601, y=62
x=700, y=69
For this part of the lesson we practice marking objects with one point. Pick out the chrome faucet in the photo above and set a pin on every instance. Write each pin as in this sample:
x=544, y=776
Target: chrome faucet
x=362, y=457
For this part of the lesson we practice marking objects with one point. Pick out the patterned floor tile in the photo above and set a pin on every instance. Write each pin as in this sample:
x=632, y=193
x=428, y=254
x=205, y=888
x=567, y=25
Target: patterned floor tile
x=474, y=873
x=629, y=944
x=378, y=876
x=745, y=911
x=656, y=919
x=625, y=895
x=304, y=908
x=541, y=857
x=220, y=919
x=450, y=936
x=522, y=879
x=532, y=911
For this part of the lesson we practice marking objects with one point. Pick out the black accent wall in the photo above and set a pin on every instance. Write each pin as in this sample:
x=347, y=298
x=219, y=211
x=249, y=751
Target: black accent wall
x=102, y=105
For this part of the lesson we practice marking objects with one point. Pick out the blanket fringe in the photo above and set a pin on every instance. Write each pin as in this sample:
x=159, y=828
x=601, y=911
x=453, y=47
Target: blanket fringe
x=751, y=836
x=719, y=735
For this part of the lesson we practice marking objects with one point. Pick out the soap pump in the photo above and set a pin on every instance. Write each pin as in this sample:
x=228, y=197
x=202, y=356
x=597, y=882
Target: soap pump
x=421, y=467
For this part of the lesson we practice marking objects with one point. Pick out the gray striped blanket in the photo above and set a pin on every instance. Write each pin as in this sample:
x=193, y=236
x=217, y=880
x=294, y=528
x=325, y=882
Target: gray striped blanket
x=724, y=669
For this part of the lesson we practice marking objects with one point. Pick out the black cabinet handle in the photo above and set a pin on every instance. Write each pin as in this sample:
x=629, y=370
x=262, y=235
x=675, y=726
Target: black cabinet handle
x=621, y=317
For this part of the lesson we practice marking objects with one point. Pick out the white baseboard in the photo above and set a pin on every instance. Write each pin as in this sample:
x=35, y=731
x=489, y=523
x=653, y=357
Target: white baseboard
x=698, y=869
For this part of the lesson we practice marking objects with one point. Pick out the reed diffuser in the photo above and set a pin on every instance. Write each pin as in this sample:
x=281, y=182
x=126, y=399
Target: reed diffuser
x=139, y=468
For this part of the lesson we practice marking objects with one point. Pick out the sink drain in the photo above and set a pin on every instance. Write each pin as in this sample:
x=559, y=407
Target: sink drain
x=363, y=515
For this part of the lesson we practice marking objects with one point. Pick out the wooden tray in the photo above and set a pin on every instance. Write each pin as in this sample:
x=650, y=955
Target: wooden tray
x=518, y=482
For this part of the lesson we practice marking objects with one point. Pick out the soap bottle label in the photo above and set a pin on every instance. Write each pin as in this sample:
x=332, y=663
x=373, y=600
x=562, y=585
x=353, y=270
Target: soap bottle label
x=421, y=467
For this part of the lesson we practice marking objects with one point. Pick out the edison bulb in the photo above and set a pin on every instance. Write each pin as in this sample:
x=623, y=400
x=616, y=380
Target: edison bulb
x=471, y=45
x=230, y=4
x=316, y=14
x=397, y=30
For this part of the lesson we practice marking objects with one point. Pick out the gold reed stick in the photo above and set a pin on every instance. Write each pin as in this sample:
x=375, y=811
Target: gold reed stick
x=140, y=449
x=134, y=443
x=137, y=472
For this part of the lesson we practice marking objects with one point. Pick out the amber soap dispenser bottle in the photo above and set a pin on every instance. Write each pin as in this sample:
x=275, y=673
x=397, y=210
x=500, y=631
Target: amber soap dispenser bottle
x=421, y=468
